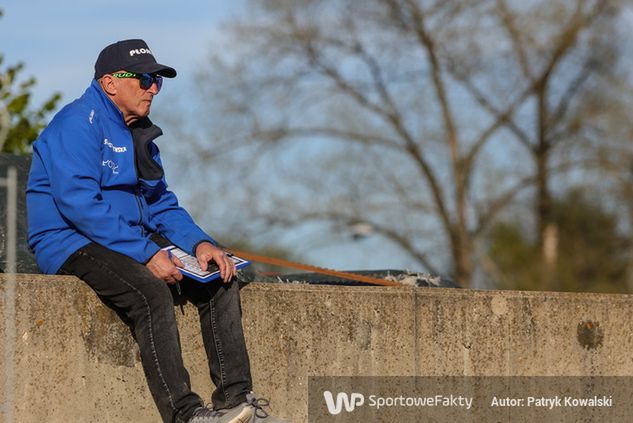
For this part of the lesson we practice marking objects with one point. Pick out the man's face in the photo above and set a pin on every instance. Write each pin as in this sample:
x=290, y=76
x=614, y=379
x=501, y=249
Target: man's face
x=133, y=101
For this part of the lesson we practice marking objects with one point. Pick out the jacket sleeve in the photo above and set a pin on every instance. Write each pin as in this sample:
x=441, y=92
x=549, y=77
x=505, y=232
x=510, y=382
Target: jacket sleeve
x=75, y=185
x=173, y=221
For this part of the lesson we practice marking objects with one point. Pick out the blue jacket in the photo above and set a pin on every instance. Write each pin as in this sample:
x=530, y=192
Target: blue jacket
x=95, y=179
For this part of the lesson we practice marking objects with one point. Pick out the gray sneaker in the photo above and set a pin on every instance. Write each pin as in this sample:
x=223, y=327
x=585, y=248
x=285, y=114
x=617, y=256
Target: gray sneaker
x=251, y=411
x=207, y=415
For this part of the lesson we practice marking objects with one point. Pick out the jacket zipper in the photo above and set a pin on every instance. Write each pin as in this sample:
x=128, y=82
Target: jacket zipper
x=140, y=210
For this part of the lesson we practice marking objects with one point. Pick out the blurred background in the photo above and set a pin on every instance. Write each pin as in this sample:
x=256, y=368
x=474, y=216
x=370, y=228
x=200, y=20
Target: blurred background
x=485, y=141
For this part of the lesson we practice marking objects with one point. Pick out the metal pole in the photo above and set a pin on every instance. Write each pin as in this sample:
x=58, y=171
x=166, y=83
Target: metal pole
x=11, y=183
x=12, y=211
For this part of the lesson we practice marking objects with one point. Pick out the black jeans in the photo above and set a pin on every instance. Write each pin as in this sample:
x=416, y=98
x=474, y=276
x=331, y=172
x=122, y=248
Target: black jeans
x=146, y=304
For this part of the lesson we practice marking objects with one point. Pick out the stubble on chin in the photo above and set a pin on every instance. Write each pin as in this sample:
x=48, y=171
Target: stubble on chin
x=147, y=107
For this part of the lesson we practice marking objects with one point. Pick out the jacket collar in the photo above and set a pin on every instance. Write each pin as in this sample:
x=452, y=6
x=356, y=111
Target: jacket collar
x=143, y=133
x=106, y=103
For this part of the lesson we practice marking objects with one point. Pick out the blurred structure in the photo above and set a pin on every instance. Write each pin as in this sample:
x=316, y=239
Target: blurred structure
x=24, y=259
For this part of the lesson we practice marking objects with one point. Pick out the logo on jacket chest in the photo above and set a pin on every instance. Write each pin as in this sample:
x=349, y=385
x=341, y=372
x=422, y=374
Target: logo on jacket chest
x=114, y=148
x=112, y=165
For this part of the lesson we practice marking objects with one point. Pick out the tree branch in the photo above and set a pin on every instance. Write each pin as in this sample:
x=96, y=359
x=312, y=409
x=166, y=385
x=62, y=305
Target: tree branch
x=508, y=24
x=499, y=203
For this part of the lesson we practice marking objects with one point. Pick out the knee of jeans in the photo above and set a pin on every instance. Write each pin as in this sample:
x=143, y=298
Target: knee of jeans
x=159, y=298
x=234, y=290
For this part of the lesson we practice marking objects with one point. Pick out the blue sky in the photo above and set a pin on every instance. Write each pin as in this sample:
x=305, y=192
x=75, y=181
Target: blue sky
x=60, y=40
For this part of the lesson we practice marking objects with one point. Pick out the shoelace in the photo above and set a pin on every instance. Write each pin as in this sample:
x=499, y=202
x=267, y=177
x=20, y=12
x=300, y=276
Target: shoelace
x=258, y=404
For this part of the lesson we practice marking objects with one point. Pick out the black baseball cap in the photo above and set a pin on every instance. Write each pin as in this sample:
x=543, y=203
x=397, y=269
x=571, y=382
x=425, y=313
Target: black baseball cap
x=132, y=56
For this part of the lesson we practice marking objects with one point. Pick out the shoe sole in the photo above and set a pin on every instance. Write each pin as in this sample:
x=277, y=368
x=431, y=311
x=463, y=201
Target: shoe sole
x=244, y=417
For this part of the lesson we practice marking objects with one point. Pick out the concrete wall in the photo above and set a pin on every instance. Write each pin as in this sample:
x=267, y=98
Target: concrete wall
x=71, y=360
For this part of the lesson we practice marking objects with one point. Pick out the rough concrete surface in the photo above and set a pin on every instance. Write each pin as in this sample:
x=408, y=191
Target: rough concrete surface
x=75, y=361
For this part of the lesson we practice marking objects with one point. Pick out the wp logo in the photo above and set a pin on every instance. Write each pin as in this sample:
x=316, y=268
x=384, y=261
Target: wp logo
x=342, y=399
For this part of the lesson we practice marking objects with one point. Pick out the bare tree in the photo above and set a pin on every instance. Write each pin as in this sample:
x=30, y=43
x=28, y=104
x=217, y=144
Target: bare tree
x=561, y=59
x=417, y=120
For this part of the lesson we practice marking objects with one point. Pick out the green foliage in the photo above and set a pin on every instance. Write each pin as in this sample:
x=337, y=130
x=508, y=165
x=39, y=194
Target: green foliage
x=24, y=122
x=515, y=257
x=592, y=255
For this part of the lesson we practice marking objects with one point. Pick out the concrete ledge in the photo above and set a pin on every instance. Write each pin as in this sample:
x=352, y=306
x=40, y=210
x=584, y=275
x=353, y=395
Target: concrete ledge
x=74, y=361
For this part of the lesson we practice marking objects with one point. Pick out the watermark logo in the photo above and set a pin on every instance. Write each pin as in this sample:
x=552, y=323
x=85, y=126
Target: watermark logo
x=343, y=400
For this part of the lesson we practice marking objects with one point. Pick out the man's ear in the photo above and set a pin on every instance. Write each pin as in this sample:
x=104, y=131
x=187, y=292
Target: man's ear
x=108, y=84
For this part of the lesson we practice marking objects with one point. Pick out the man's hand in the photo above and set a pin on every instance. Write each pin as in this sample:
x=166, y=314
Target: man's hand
x=164, y=267
x=205, y=252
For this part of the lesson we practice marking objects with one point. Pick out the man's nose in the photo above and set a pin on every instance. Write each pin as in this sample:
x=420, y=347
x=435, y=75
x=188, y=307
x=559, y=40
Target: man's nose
x=153, y=88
